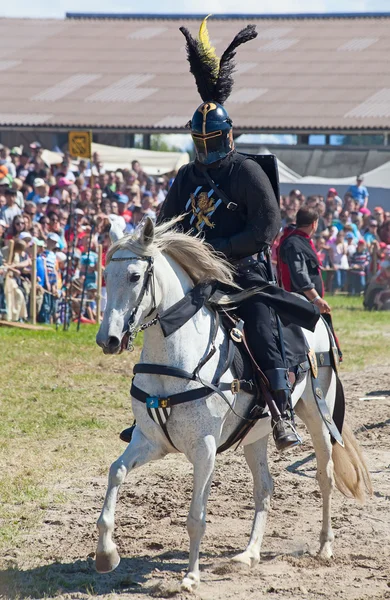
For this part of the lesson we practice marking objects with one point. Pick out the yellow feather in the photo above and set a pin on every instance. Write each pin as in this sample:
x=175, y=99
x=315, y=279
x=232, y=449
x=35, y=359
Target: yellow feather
x=208, y=50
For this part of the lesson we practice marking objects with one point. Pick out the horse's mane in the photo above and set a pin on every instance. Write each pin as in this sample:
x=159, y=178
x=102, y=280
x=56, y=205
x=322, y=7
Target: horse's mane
x=192, y=253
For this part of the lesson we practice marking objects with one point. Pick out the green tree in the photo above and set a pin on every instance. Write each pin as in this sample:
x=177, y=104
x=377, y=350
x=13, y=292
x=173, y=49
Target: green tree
x=157, y=142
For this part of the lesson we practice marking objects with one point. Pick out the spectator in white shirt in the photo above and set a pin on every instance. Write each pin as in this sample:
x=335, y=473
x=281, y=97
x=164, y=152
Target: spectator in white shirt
x=11, y=209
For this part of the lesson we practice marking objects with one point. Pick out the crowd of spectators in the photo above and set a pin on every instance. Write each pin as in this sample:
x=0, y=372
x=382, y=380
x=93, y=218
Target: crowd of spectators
x=353, y=242
x=65, y=211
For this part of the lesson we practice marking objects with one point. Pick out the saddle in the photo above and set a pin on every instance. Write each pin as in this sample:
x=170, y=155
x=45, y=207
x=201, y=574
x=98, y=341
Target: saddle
x=248, y=375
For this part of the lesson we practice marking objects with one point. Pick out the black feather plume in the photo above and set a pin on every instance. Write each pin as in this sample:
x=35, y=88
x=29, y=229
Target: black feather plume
x=204, y=69
x=201, y=69
x=224, y=83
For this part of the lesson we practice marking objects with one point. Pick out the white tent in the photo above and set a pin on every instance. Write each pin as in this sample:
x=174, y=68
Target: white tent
x=286, y=175
x=152, y=162
x=52, y=158
x=377, y=178
x=377, y=181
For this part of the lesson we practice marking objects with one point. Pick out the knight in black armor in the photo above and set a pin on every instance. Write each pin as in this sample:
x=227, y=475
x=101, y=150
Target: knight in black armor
x=227, y=198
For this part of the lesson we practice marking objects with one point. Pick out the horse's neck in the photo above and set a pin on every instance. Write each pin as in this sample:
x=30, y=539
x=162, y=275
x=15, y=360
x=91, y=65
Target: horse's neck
x=185, y=347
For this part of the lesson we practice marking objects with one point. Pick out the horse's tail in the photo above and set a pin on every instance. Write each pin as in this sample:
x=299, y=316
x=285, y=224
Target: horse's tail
x=351, y=473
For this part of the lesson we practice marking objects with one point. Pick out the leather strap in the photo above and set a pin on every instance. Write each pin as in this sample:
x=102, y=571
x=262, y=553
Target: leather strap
x=182, y=397
x=211, y=349
x=232, y=348
x=264, y=386
x=220, y=193
x=152, y=369
x=255, y=413
x=324, y=411
x=172, y=400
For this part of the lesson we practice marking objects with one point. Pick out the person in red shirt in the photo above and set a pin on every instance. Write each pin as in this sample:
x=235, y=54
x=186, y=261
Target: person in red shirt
x=299, y=267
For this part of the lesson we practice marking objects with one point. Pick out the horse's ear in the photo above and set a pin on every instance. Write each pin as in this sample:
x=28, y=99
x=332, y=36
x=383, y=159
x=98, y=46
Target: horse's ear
x=147, y=233
x=116, y=231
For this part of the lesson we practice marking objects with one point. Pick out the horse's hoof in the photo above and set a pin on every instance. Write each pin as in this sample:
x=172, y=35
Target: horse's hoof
x=107, y=561
x=190, y=583
x=325, y=552
x=246, y=559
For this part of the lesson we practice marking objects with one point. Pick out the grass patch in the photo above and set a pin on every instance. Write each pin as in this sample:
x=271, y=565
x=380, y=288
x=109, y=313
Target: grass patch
x=62, y=404
x=22, y=499
x=364, y=336
x=56, y=382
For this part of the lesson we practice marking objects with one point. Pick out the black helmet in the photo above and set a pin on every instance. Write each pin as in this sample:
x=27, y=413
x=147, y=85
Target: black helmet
x=211, y=126
x=211, y=130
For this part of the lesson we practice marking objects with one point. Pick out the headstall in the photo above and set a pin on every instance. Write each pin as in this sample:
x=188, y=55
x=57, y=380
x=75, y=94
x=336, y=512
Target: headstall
x=131, y=328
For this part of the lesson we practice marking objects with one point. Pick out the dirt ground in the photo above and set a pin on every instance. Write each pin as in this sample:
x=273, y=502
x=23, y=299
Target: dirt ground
x=57, y=561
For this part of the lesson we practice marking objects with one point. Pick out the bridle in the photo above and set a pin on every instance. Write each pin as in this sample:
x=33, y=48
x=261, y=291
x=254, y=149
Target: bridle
x=131, y=329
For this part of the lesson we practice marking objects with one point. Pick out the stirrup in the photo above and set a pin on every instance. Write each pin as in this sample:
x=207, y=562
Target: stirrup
x=285, y=435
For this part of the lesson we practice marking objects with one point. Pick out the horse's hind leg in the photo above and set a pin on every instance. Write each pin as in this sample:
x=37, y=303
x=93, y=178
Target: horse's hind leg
x=137, y=453
x=203, y=460
x=256, y=457
x=307, y=410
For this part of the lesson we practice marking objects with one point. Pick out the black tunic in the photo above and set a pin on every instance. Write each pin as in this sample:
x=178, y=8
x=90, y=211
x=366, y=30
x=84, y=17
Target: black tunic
x=238, y=233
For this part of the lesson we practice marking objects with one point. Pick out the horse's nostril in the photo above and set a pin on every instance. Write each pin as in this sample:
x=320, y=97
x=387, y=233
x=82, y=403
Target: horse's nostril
x=113, y=342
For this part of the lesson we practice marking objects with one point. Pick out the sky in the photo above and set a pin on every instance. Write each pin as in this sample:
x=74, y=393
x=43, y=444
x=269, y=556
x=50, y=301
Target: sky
x=58, y=8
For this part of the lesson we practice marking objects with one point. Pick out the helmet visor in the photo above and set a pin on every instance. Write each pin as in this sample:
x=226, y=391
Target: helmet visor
x=211, y=147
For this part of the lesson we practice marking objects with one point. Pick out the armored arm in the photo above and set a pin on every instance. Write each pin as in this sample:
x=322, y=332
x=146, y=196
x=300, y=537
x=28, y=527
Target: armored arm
x=257, y=200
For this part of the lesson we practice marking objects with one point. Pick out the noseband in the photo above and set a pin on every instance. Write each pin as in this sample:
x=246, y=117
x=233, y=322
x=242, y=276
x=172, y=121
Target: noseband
x=131, y=328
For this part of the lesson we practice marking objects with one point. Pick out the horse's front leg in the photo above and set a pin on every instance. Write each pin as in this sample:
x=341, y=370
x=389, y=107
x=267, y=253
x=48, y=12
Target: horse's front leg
x=137, y=453
x=203, y=460
x=256, y=457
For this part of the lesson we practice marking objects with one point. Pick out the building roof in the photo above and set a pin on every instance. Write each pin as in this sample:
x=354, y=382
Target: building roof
x=306, y=73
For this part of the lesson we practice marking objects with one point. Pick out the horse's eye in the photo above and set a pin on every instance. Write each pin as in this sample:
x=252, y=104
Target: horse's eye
x=134, y=277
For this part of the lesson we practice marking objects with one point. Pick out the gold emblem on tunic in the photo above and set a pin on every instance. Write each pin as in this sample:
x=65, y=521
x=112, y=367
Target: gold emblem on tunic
x=202, y=206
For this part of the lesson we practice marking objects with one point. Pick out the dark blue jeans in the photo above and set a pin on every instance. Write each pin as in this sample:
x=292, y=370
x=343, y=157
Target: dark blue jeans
x=339, y=279
x=356, y=283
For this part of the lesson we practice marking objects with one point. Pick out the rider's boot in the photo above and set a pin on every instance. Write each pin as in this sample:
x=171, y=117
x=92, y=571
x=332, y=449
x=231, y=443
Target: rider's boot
x=283, y=430
x=127, y=434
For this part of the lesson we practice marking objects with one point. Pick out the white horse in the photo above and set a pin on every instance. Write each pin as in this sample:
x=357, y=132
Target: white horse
x=199, y=427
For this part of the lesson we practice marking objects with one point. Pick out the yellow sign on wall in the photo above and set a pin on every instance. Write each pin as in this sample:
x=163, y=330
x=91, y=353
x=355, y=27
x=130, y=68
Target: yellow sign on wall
x=80, y=144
